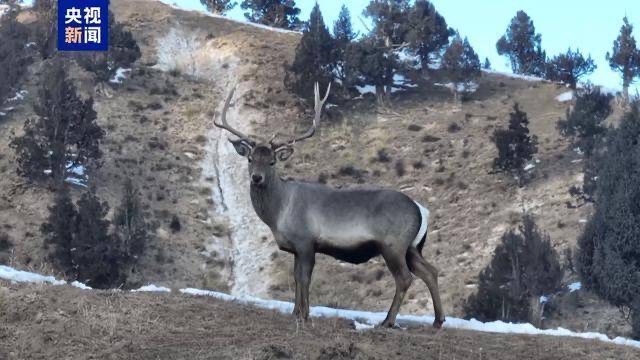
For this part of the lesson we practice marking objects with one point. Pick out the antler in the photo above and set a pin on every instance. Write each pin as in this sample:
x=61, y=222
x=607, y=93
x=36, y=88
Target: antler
x=224, y=125
x=316, y=119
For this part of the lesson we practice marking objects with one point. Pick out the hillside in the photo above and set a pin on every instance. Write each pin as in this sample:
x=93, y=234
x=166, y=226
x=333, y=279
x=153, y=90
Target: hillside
x=159, y=132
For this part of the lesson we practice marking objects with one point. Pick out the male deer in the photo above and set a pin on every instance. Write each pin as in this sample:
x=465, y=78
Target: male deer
x=351, y=225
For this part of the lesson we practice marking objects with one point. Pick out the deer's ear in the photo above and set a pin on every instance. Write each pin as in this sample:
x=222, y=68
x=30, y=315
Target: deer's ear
x=242, y=148
x=284, y=153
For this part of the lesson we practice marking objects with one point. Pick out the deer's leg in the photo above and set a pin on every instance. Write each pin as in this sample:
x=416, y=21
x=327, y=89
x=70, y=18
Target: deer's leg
x=307, y=262
x=397, y=264
x=296, y=278
x=429, y=274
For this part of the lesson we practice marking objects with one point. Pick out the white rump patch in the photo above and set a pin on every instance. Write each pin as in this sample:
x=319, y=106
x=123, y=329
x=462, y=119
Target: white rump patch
x=424, y=214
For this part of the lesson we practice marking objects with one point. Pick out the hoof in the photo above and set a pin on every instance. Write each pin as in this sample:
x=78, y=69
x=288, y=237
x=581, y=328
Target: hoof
x=438, y=323
x=386, y=325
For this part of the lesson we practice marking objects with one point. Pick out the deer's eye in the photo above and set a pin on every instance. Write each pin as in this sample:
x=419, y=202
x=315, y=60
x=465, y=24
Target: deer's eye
x=272, y=163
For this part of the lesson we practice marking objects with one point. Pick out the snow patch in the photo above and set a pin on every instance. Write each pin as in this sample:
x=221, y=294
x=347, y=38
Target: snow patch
x=515, y=76
x=119, y=76
x=564, y=97
x=19, y=95
x=14, y=275
x=468, y=87
x=574, y=286
x=366, y=89
x=152, y=288
x=80, y=285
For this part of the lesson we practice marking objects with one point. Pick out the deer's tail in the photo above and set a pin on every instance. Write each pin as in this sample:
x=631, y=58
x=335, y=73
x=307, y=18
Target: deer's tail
x=421, y=237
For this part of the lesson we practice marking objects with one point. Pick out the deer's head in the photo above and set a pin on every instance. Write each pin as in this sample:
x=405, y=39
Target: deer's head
x=263, y=155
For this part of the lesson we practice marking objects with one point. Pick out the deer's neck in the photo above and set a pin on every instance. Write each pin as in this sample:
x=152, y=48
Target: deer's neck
x=269, y=200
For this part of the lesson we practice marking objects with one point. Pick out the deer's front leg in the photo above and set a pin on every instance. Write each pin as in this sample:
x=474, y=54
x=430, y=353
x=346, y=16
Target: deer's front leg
x=307, y=262
x=296, y=278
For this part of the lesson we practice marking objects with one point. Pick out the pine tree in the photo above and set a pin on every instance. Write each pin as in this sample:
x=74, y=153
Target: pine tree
x=487, y=64
x=570, y=67
x=343, y=36
x=45, y=29
x=585, y=123
x=58, y=232
x=378, y=51
x=523, y=46
x=277, y=13
x=428, y=33
x=97, y=255
x=130, y=224
x=313, y=62
x=367, y=62
x=515, y=145
x=219, y=7
x=65, y=135
x=609, y=248
x=13, y=55
x=625, y=57
x=524, y=267
x=461, y=64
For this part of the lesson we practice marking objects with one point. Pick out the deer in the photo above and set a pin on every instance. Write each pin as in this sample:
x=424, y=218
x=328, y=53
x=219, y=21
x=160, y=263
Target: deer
x=349, y=224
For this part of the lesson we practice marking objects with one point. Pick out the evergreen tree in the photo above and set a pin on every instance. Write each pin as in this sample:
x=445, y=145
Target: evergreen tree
x=367, y=62
x=13, y=55
x=461, y=64
x=515, y=145
x=523, y=46
x=313, y=62
x=378, y=52
x=130, y=224
x=276, y=13
x=570, y=67
x=585, y=123
x=487, y=64
x=45, y=29
x=97, y=255
x=219, y=7
x=625, y=57
x=65, y=135
x=123, y=51
x=58, y=232
x=343, y=35
x=524, y=267
x=428, y=33
x=609, y=248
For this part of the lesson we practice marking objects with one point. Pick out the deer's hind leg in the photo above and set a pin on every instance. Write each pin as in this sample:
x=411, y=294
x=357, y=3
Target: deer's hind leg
x=429, y=274
x=397, y=264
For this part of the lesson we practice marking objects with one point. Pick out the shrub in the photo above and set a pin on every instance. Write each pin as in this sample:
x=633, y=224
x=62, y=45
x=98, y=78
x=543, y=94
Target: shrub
x=585, y=123
x=219, y=7
x=130, y=224
x=5, y=242
x=515, y=145
x=524, y=267
x=175, y=224
x=400, y=171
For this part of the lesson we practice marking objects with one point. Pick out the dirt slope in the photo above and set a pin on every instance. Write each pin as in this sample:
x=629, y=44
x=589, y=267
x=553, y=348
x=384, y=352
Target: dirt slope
x=61, y=322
